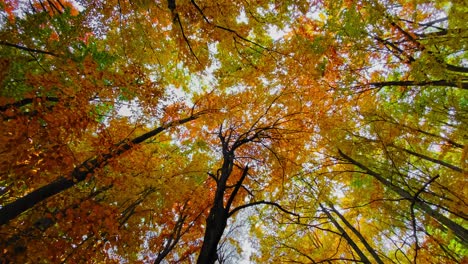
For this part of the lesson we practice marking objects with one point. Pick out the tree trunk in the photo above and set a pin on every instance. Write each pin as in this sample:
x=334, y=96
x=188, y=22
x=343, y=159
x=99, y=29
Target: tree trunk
x=79, y=174
x=172, y=241
x=346, y=236
x=457, y=229
x=440, y=162
x=358, y=234
x=215, y=225
x=219, y=212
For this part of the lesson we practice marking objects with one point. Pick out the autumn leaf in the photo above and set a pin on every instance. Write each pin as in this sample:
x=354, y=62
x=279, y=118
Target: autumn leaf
x=181, y=131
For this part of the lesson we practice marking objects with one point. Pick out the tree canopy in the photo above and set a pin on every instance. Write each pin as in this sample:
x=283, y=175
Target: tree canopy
x=214, y=131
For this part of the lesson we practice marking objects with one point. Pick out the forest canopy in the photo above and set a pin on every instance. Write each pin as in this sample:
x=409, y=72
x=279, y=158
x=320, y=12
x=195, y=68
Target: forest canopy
x=243, y=131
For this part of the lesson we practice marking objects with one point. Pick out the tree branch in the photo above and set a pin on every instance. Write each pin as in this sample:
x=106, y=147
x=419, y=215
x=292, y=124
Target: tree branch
x=345, y=235
x=235, y=210
x=177, y=19
x=225, y=28
x=358, y=234
x=440, y=162
x=458, y=230
x=237, y=187
x=80, y=173
x=4, y=43
x=463, y=84
x=26, y=101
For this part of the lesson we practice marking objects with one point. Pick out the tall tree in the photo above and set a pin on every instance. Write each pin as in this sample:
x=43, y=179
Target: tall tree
x=137, y=131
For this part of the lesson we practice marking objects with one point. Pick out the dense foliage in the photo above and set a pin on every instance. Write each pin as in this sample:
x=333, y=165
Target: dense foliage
x=190, y=131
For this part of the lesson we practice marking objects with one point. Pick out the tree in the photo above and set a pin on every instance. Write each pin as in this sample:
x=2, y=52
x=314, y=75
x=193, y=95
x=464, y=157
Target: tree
x=404, y=118
x=263, y=140
x=138, y=131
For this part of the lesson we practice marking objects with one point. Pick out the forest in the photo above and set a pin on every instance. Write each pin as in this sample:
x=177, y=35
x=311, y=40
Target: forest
x=242, y=131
